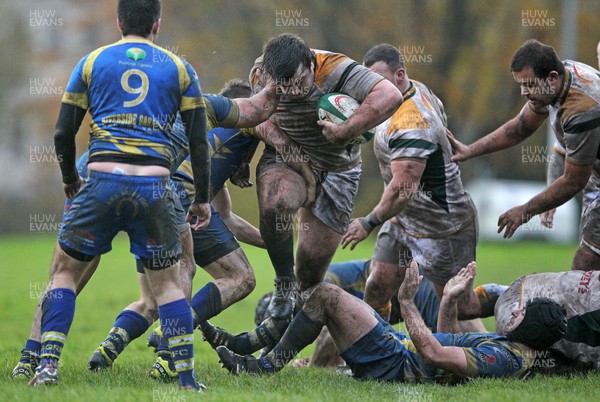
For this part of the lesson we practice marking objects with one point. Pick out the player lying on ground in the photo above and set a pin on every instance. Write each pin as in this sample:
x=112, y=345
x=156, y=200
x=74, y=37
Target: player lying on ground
x=373, y=350
x=578, y=293
x=350, y=276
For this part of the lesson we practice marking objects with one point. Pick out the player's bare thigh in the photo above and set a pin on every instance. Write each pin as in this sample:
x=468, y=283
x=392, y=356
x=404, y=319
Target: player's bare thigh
x=347, y=317
x=280, y=188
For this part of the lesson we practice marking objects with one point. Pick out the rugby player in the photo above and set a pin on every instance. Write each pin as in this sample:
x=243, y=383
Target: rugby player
x=135, y=319
x=569, y=93
x=578, y=293
x=434, y=218
x=350, y=276
x=125, y=90
x=374, y=350
x=303, y=75
x=215, y=247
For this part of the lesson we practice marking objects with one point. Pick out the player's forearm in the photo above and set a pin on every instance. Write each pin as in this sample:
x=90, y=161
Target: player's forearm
x=556, y=194
x=425, y=343
x=556, y=167
x=448, y=316
x=244, y=231
x=509, y=134
x=394, y=199
x=290, y=152
x=379, y=104
x=195, y=124
x=67, y=125
x=258, y=108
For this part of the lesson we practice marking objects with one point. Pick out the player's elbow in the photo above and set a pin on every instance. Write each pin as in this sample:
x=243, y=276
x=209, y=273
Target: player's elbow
x=391, y=96
x=61, y=135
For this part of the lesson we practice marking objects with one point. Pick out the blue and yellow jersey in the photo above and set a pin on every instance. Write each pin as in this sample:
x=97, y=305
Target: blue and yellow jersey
x=220, y=112
x=488, y=356
x=133, y=90
x=227, y=151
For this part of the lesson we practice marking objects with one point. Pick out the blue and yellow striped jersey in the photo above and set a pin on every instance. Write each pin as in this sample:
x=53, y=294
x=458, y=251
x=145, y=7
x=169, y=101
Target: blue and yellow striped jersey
x=220, y=112
x=133, y=90
x=227, y=151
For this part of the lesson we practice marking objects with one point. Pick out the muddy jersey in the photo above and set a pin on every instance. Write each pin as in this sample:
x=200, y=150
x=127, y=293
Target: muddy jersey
x=575, y=115
x=334, y=72
x=578, y=292
x=592, y=188
x=440, y=206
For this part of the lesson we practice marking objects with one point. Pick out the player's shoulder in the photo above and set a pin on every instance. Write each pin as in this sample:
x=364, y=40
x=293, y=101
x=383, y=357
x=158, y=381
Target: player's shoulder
x=330, y=68
x=581, y=89
x=410, y=115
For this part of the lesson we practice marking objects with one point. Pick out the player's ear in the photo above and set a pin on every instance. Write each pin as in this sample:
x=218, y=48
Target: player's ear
x=119, y=25
x=156, y=27
x=400, y=75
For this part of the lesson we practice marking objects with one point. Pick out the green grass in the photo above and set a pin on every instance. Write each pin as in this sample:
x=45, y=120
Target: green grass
x=24, y=274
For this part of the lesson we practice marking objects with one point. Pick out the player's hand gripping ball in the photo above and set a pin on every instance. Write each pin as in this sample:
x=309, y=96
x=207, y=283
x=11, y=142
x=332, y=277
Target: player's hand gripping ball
x=336, y=108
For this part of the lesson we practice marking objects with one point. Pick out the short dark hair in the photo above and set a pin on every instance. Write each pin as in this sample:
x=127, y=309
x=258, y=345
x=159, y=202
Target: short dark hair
x=236, y=88
x=540, y=57
x=138, y=16
x=283, y=54
x=385, y=52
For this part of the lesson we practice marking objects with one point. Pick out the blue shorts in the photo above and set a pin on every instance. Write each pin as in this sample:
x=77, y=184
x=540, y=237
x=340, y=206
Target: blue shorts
x=378, y=355
x=212, y=242
x=142, y=206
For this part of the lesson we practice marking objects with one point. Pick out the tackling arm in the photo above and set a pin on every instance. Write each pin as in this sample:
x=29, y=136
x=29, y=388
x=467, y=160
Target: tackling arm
x=291, y=153
x=509, y=134
x=240, y=228
x=259, y=107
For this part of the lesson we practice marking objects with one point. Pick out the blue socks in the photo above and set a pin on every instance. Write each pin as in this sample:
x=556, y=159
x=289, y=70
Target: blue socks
x=206, y=303
x=58, y=310
x=128, y=326
x=178, y=327
x=33, y=347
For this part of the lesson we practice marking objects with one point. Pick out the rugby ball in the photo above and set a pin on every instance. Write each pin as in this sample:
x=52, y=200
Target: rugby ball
x=336, y=108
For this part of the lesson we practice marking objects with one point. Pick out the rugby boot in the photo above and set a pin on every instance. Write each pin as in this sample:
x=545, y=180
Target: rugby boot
x=101, y=359
x=154, y=338
x=281, y=305
x=163, y=369
x=237, y=364
x=47, y=375
x=215, y=336
x=25, y=368
x=198, y=387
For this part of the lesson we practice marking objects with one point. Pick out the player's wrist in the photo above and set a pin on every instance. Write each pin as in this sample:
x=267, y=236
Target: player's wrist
x=70, y=178
x=370, y=222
